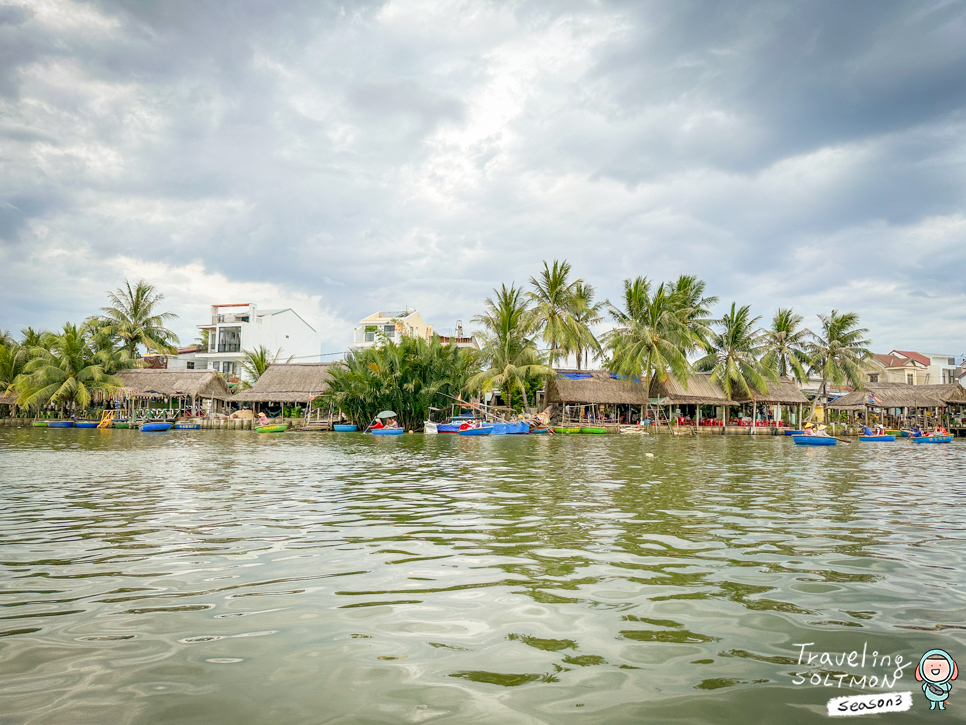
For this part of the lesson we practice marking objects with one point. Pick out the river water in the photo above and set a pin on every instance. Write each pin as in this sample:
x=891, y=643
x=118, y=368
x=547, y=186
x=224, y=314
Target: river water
x=229, y=577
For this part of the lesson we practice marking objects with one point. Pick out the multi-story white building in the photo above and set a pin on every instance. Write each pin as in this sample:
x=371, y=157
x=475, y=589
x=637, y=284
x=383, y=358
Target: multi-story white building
x=236, y=328
x=913, y=368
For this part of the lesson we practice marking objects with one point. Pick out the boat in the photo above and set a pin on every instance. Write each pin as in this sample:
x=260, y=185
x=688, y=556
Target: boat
x=519, y=427
x=482, y=431
x=187, y=426
x=906, y=433
x=539, y=431
x=122, y=424
x=340, y=428
x=561, y=429
x=280, y=428
x=593, y=430
x=155, y=427
x=387, y=432
x=891, y=432
x=814, y=440
x=794, y=432
x=85, y=424
x=933, y=439
x=60, y=424
x=40, y=423
x=877, y=439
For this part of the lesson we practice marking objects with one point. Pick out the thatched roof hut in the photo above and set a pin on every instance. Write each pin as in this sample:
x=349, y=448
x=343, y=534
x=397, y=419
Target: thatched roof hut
x=700, y=390
x=573, y=387
x=783, y=392
x=288, y=383
x=150, y=383
x=8, y=398
x=901, y=395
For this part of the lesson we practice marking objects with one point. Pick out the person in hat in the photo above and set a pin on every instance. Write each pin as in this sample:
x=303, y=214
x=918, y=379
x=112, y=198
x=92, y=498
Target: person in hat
x=821, y=432
x=809, y=430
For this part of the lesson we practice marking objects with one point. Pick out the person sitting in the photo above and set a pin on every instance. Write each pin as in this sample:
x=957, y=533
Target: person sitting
x=262, y=420
x=866, y=431
x=916, y=431
x=821, y=432
x=377, y=425
x=391, y=423
x=808, y=430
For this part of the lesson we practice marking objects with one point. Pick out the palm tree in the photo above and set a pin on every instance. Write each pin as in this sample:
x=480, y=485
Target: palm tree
x=66, y=371
x=837, y=353
x=133, y=318
x=508, y=354
x=586, y=313
x=554, y=307
x=784, y=345
x=693, y=308
x=13, y=358
x=31, y=338
x=650, y=339
x=734, y=354
x=255, y=363
x=6, y=338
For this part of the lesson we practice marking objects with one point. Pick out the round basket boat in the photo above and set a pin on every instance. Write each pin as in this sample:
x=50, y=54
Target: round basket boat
x=339, y=428
x=814, y=441
x=271, y=428
x=155, y=427
x=60, y=424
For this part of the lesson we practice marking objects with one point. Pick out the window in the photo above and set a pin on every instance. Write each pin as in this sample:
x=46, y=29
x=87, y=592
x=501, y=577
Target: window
x=874, y=377
x=910, y=379
x=189, y=365
x=389, y=330
x=370, y=337
x=229, y=339
x=214, y=366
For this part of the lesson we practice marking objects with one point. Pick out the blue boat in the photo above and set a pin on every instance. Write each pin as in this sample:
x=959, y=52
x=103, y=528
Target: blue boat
x=387, y=432
x=877, y=439
x=933, y=439
x=85, y=424
x=484, y=431
x=61, y=424
x=905, y=433
x=338, y=428
x=516, y=428
x=794, y=432
x=187, y=426
x=155, y=427
x=814, y=440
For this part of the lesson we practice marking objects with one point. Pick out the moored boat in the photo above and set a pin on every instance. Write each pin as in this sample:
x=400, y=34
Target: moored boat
x=122, y=424
x=387, y=431
x=155, y=427
x=281, y=428
x=933, y=439
x=794, y=432
x=482, y=431
x=906, y=433
x=41, y=423
x=85, y=424
x=60, y=424
x=562, y=429
x=539, y=431
x=342, y=428
x=877, y=439
x=518, y=427
x=187, y=426
x=814, y=440
x=592, y=430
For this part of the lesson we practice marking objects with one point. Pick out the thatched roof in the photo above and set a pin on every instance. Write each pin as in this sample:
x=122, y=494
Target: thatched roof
x=594, y=386
x=148, y=383
x=8, y=398
x=700, y=390
x=288, y=383
x=901, y=395
x=783, y=392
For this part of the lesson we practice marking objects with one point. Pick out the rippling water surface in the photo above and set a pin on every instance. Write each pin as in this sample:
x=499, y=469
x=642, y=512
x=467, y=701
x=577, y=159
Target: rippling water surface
x=206, y=577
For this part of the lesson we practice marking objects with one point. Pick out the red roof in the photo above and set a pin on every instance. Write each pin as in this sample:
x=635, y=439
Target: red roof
x=916, y=356
x=890, y=361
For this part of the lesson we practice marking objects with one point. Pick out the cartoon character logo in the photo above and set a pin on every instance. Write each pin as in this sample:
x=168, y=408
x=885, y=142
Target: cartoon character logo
x=936, y=671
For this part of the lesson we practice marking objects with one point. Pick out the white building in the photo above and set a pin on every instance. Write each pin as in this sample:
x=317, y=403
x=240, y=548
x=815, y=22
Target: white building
x=935, y=369
x=236, y=328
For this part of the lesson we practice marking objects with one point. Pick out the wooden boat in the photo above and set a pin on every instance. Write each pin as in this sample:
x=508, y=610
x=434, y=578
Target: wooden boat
x=561, y=429
x=281, y=428
x=339, y=428
x=814, y=440
x=85, y=424
x=155, y=427
x=187, y=426
x=484, y=431
x=877, y=439
x=933, y=439
x=40, y=423
x=597, y=431
x=60, y=424
x=794, y=432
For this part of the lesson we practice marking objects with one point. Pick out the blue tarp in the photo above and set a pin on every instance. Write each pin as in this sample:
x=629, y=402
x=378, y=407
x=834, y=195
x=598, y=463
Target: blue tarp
x=575, y=376
x=621, y=377
x=502, y=429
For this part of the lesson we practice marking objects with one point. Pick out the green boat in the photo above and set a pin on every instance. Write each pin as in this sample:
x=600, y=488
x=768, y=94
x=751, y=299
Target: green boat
x=271, y=428
x=566, y=430
x=122, y=424
x=40, y=424
x=597, y=431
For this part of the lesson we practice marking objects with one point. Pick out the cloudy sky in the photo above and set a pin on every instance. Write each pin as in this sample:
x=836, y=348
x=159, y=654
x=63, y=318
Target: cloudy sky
x=346, y=157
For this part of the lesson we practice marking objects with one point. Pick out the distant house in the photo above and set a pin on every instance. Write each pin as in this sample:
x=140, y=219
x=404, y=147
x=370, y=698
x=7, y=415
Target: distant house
x=186, y=358
x=459, y=339
x=235, y=328
x=389, y=326
x=911, y=368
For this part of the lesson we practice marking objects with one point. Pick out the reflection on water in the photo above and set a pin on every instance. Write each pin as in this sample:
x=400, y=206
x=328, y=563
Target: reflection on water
x=226, y=577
